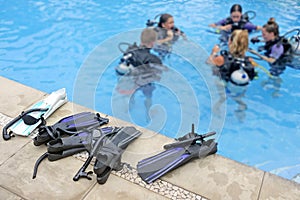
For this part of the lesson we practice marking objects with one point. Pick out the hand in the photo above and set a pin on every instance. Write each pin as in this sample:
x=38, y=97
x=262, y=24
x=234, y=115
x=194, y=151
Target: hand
x=254, y=40
x=226, y=27
x=176, y=31
x=216, y=49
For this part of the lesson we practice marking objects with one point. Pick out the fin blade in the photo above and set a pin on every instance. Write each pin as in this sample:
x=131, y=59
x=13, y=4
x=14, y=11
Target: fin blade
x=52, y=102
x=156, y=166
x=108, y=157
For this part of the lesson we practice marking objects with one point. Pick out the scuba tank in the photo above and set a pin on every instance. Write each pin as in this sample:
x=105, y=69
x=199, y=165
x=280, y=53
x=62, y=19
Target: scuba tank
x=295, y=44
x=239, y=77
x=125, y=65
x=295, y=49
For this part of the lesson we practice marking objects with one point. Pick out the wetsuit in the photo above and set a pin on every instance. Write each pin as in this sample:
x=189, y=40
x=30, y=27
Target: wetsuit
x=277, y=50
x=232, y=64
x=165, y=48
x=243, y=24
x=142, y=56
x=147, y=69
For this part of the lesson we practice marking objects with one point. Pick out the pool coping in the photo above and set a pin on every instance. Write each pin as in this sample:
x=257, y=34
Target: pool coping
x=214, y=177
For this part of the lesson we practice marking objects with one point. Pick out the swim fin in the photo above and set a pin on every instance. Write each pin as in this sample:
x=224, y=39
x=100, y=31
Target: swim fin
x=108, y=157
x=27, y=121
x=64, y=147
x=69, y=126
x=190, y=146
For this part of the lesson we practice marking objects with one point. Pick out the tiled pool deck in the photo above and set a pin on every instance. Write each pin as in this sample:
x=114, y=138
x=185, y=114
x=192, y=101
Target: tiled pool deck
x=214, y=177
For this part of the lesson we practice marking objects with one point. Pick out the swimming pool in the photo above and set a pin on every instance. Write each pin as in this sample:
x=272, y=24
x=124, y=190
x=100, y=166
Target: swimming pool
x=52, y=44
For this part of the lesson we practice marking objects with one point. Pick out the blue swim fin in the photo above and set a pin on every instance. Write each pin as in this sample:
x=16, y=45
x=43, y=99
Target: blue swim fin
x=176, y=154
x=69, y=126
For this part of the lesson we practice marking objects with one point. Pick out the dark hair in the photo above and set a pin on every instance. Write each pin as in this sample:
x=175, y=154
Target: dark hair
x=163, y=19
x=236, y=7
x=272, y=27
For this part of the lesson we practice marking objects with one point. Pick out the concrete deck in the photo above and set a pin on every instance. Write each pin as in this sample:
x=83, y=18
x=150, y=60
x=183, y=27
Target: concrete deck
x=213, y=177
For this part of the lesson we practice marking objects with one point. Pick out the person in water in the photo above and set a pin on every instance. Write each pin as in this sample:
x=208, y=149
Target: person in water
x=236, y=21
x=144, y=68
x=167, y=34
x=234, y=69
x=277, y=53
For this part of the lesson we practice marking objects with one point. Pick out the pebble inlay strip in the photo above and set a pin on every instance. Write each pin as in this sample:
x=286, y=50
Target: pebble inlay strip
x=161, y=187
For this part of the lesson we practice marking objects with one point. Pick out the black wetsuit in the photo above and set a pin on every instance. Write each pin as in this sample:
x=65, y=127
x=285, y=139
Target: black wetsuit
x=147, y=69
x=283, y=60
x=232, y=64
x=142, y=56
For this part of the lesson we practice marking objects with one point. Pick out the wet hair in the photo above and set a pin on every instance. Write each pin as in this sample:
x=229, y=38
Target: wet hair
x=239, y=43
x=163, y=19
x=148, y=36
x=272, y=27
x=236, y=7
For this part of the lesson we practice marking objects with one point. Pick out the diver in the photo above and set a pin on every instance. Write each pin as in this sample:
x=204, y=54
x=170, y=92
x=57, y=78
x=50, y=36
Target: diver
x=236, y=21
x=234, y=69
x=278, y=51
x=138, y=56
x=139, y=68
x=167, y=34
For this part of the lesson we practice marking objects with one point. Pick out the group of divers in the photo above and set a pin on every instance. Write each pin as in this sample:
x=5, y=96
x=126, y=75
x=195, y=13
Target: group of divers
x=86, y=132
x=228, y=59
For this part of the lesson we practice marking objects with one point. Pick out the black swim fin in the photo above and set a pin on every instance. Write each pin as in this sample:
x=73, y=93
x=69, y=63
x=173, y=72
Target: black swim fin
x=108, y=157
x=69, y=126
x=189, y=147
x=64, y=147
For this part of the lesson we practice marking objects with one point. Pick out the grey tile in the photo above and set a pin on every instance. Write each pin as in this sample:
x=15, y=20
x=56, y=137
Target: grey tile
x=277, y=188
x=7, y=195
x=118, y=188
x=53, y=181
x=16, y=97
x=148, y=144
x=12, y=146
x=216, y=177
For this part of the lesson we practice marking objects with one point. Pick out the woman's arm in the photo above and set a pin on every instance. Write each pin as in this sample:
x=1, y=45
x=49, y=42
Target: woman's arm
x=166, y=39
x=268, y=59
x=251, y=27
x=214, y=58
x=221, y=25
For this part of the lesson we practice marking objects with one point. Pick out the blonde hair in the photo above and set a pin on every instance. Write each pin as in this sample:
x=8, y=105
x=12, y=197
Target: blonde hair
x=239, y=43
x=148, y=36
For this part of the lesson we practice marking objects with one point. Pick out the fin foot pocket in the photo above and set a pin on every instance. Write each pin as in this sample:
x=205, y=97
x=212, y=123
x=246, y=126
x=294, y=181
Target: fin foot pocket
x=69, y=125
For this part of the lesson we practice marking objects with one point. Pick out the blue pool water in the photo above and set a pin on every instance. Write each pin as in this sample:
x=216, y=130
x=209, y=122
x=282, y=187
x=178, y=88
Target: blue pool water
x=52, y=44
